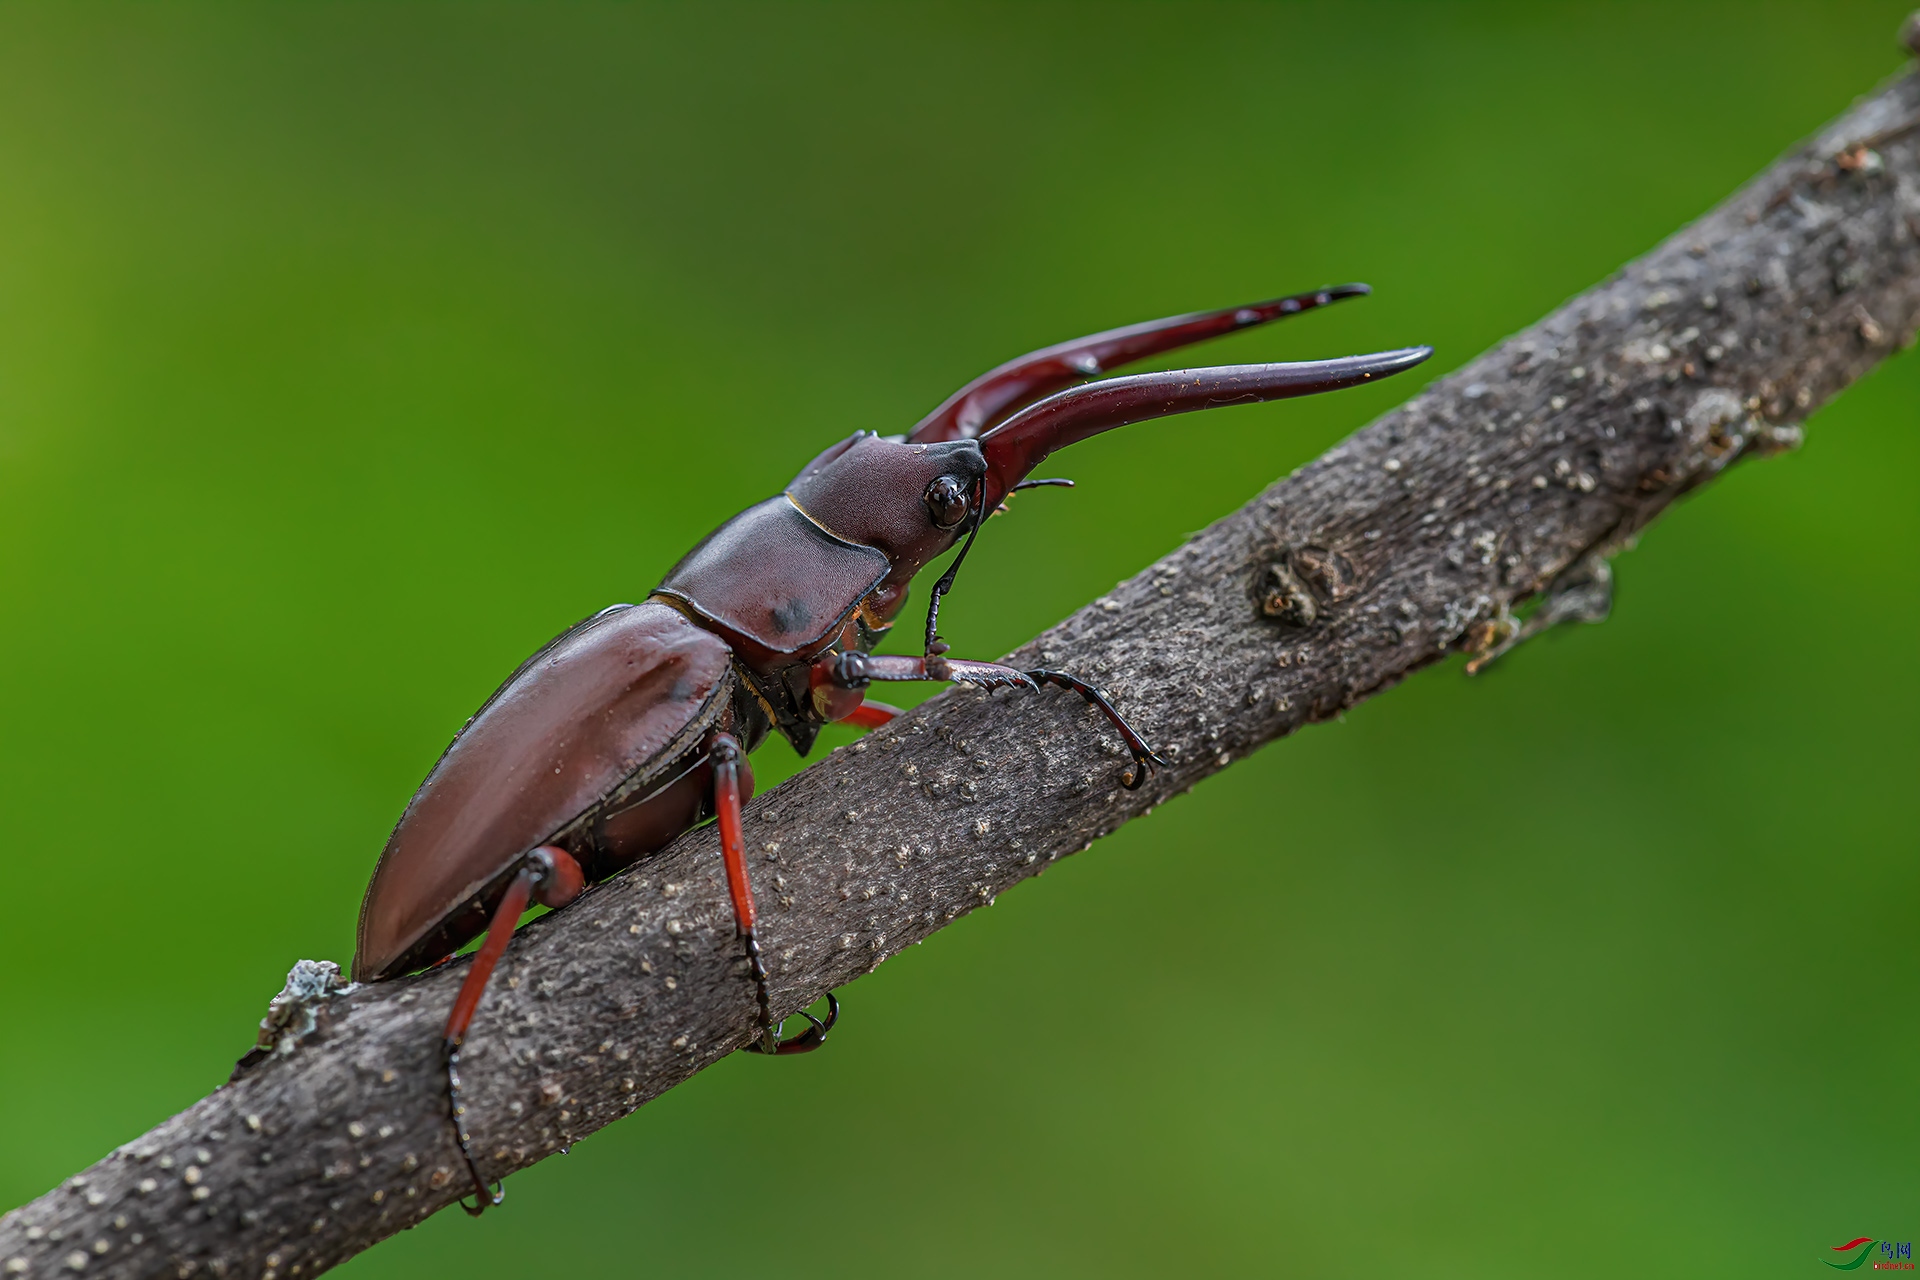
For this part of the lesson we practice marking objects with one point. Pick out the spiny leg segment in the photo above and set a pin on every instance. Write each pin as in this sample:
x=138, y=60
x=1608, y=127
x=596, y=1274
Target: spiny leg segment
x=855, y=670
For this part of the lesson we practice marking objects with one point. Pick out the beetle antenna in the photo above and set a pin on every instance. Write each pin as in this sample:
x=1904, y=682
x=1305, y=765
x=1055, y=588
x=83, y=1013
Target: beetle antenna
x=1043, y=484
x=945, y=584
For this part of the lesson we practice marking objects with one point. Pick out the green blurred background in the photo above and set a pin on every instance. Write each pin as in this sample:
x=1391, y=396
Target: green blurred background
x=349, y=351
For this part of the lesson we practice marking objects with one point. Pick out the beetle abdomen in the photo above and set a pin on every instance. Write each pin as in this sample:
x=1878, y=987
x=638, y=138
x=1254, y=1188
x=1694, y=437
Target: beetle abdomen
x=612, y=709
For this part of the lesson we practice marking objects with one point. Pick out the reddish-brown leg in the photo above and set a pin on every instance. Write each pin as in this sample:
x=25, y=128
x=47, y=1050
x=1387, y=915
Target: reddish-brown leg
x=870, y=715
x=723, y=749
x=550, y=875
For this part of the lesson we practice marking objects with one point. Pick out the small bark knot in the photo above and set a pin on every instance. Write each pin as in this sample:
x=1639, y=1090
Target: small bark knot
x=1285, y=598
x=1328, y=574
x=1300, y=586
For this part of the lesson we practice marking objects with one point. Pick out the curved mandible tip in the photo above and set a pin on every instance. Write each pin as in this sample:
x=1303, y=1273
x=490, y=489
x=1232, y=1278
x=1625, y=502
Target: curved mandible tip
x=1017, y=445
x=975, y=408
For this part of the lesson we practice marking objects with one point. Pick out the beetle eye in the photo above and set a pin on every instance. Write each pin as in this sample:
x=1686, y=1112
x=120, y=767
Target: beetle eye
x=946, y=500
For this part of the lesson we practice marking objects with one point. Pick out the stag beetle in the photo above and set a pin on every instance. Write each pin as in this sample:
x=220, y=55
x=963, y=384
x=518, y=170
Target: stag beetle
x=634, y=725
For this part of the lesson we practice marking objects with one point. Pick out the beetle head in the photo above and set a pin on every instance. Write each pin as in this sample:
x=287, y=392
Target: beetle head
x=912, y=501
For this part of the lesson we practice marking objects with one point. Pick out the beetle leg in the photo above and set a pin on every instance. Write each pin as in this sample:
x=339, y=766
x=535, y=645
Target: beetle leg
x=549, y=874
x=723, y=749
x=857, y=670
x=814, y=1036
x=841, y=703
x=1144, y=756
x=869, y=715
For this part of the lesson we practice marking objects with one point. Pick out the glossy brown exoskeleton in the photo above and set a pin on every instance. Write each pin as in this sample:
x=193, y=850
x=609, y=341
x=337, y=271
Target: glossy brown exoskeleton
x=634, y=725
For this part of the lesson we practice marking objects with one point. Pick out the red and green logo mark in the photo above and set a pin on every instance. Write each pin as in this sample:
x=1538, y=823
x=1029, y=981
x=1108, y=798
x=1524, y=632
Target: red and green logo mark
x=1889, y=1256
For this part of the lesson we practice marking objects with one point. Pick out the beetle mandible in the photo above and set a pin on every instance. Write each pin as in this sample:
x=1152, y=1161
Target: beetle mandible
x=634, y=725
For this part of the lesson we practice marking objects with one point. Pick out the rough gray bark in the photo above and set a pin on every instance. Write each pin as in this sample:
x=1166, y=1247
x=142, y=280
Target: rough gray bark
x=1511, y=479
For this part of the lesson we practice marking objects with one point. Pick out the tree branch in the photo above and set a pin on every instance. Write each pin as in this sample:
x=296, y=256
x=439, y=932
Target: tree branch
x=1511, y=479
